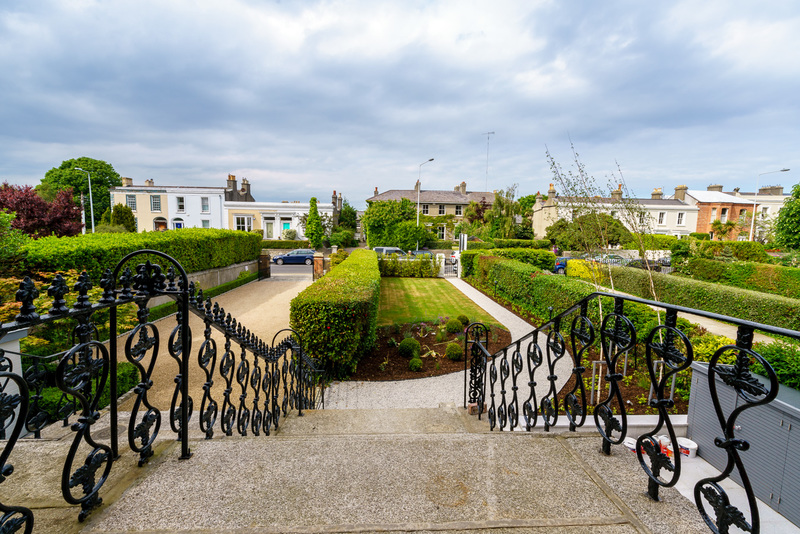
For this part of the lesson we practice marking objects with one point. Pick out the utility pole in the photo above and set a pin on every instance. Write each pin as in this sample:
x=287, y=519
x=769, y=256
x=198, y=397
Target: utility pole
x=487, y=134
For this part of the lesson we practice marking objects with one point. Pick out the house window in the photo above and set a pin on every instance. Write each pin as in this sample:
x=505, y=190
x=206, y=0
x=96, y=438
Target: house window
x=130, y=200
x=204, y=204
x=440, y=232
x=723, y=217
x=662, y=218
x=181, y=204
x=642, y=218
x=424, y=209
x=713, y=214
x=244, y=223
x=458, y=209
x=155, y=203
x=206, y=223
x=177, y=224
x=742, y=214
x=765, y=212
x=680, y=218
x=613, y=214
x=269, y=229
x=441, y=209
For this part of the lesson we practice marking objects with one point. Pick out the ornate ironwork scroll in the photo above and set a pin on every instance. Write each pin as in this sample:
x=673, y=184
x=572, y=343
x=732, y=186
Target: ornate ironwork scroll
x=530, y=408
x=555, y=348
x=582, y=337
x=708, y=492
x=476, y=338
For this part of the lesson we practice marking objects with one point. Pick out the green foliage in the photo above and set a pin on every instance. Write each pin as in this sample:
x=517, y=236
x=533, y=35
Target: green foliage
x=290, y=234
x=742, y=250
x=103, y=177
x=651, y=242
x=788, y=223
x=285, y=244
x=343, y=237
x=591, y=231
x=409, y=268
x=381, y=217
x=196, y=249
x=336, y=316
x=406, y=235
x=348, y=216
x=409, y=348
x=543, y=259
x=501, y=216
x=339, y=257
x=585, y=270
x=467, y=259
x=480, y=245
x=707, y=345
x=415, y=364
x=127, y=379
x=740, y=303
x=764, y=277
x=12, y=242
x=123, y=216
x=520, y=243
x=463, y=319
x=680, y=251
x=722, y=229
x=453, y=326
x=103, y=228
x=106, y=217
x=702, y=236
x=439, y=245
x=441, y=335
x=454, y=352
x=314, y=231
x=784, y=357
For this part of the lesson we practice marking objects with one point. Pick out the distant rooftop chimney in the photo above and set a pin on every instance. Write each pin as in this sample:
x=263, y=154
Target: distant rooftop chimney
x=771, y=190
x=657, y=194
x=149, y=183
x=680, y=193
x=715, y=187
x=461, y=188
x=617, y=193
x=126, y=182
x=376, y=191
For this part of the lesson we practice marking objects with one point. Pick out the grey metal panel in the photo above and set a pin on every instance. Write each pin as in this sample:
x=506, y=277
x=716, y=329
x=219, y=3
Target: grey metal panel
x=789, y=505
x=703, y=425
x=767, y=432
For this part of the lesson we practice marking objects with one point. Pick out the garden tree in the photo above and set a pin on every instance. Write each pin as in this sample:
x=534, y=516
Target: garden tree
x=722, y=229
x=382, y=216
x=764, y=228
x=787, y=227
x=65, y=176
x=11, y=241
x=37, y=217
x=313, y=230
x=476, y=210
x=325, y=220
x=526, y=204
x=501, y=217
x=407, y=234
x=123, y=216
x=587, y=232
x=348, y=217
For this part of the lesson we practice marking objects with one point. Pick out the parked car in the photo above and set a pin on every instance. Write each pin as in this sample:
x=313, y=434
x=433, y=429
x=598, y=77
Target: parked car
x=386, y=251
x=653, y=265
x=561, y=265
x=613, y=259
x=300, y=255
x=421, y=254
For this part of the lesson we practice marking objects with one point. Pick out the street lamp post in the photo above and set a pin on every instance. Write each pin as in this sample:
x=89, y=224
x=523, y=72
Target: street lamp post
x=755, y=200
x=91, y=204
x=419, y=187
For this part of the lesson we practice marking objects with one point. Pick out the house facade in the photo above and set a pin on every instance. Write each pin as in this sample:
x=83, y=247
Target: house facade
x=657, y=215
x=715, y=205
x=437, y=203
x=273, y=218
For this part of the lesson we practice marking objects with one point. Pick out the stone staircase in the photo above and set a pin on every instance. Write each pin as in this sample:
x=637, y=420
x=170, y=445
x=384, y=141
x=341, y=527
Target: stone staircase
x=388, y=470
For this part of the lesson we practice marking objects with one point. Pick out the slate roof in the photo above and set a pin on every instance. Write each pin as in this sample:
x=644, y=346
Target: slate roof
x=716, y=197
x=434, y=196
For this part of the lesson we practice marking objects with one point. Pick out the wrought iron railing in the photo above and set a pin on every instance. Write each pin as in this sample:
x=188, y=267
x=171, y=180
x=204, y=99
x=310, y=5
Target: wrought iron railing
x=497, y=383
x=269, y=379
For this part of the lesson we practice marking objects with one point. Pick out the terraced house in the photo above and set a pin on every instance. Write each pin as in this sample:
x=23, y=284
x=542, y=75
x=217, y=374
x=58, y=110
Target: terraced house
x=450, y=205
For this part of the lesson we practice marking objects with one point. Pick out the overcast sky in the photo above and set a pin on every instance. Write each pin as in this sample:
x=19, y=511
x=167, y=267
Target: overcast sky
x=304, y=97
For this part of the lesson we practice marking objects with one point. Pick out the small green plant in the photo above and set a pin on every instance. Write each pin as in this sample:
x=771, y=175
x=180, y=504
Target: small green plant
x=441, y=335
x=382, y=366
x=415, y=364
x=464, y=320
x=454, y=326
x=409, y=348
x=454, y=352
x=392, y=342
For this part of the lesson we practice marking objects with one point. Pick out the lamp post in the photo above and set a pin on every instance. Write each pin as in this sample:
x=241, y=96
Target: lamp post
x=419, y=187
x=487, y=158
x=755, y=199
x=91, y=204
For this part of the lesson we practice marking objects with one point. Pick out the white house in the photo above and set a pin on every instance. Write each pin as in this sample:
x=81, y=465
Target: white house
x=273, y=218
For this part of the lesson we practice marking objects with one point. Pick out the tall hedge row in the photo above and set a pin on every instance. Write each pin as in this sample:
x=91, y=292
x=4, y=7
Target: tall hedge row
x=543, y=259
x=763, y=277
x=337, y=315
x=741, y=303
x=742, y=250
x=523, y=243
x=196, y=249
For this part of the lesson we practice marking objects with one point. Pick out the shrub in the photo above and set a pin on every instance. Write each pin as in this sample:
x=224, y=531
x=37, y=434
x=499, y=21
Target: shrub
x=742, y=250
x=343, y=238
x=453, y=326
x=284, y=244
x=439, y=245
x=338, y=257
x=467, y=260
x=441, y=335
x=479, y=245
x=702, y=236
x=585, y=270
x=454, y=352
x=196, y=249
x=110, y=229
x=651, y=242
x=784, y=357
x=768, y=278
x=740, y=303
x=409, y=348
x=543, y=259
x=411, y=268
x=415, y=364
x=337, y=315
x=522, y=243
x=463, y=319
x=289, y=234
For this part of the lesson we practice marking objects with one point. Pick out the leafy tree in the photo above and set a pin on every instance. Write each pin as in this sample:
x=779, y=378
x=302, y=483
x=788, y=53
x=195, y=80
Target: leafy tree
x=788, y=223
x=65, y=176
x=314, y=231
x=382, y=216
x=588, y=232
x=526, y=204
x=722, y=229
x=348, y=217
x=122, y=215
x=37, y=217
x=476, y=210
x=407, y=234
x=501, y=217
x=11, y=241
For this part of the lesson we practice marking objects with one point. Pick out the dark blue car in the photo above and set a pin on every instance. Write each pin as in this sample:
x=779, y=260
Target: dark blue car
x=300, y=255
x=561, y=265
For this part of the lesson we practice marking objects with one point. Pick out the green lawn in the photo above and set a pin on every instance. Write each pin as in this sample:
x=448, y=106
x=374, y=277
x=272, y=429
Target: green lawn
x=410, y=300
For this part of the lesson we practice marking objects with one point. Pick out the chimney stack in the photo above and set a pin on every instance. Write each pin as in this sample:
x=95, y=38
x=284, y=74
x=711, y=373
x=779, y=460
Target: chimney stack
x=715, y=187
x=417, y=186
x=680, y=193
x=617, y=193
x=149, y=183
x=232, y=182
x=657, y=194
x=376, y=191
x=126, y=182
x=463, y=188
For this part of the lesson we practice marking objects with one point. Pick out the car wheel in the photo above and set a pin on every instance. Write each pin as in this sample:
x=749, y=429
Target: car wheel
x=560, y=270
x=279, y=261
x=308, y=261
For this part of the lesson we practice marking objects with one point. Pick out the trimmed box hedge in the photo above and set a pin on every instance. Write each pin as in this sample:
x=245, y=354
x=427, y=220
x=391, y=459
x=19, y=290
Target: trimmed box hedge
x=284, y=243
x=479, y=245
x=409, y=268
x=523, y=243
x=742, y=250
x=543, y=259
x=337, y=315
x=765, y=277
x=740, y=303
x=196, y=249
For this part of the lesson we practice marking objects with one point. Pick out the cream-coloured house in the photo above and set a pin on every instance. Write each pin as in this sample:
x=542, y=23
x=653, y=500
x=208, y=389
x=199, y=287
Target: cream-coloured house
x=273, y=218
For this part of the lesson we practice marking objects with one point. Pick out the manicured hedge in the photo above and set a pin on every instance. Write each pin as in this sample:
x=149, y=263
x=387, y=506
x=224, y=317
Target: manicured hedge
x=702, y=236
x=284, y=243
x=337, y=315
x=543, y=259
x=411, y=268
x=652, y=242
x=479, y=245
x=765, y=277
x=442, y=245
x=467, y=259
x=196, y=249
x=742, y=250
x=740, y=303
x=523, y=243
